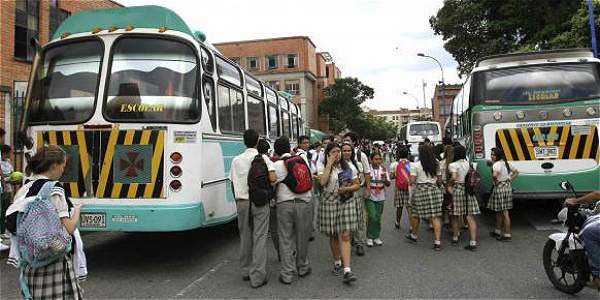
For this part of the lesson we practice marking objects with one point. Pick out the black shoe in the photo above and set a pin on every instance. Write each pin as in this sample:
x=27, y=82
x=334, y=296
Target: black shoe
x=360, y=250
x=308, y=271
x=454, y=242
x=410, y=238
x=349, y=277
x=246, y=278
x=312, y=238
x=261, y=284
x=337, y=270
x=504, y=238
x=437, y=247
x=495, y=234
x=283, y=280
x=471, y=248
x=397, y=225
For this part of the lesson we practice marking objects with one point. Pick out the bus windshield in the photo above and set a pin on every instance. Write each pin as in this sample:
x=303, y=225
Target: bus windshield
x=65, y=83
x=537, y=84
x=423, y=129
x=152, y=80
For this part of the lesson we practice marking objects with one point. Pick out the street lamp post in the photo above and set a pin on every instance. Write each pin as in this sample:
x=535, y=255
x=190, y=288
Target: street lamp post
x=443, y=93
x=414, y=97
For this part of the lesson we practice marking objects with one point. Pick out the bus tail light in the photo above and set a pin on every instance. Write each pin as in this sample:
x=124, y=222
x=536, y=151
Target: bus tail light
x=176, y=157
x=176, y=171
x=175, y=185
x=478, y=142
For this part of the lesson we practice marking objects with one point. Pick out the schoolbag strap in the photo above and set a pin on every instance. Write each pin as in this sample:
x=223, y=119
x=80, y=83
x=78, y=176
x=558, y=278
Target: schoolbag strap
x=46, y=189
x=23, y=281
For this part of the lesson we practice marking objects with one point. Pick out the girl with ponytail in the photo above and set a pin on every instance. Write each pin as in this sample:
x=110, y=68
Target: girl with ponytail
x=501, y=200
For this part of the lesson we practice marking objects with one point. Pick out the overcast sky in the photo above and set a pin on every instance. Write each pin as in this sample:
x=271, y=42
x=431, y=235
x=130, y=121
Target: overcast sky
x=376, y=41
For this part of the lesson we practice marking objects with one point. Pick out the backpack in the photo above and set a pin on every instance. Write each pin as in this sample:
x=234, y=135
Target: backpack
x=299, y=177
x=472, y=180
x=260, y=190
x=402, y=174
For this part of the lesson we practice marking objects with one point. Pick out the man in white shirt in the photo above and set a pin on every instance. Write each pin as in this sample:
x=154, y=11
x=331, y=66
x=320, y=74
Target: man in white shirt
x=364, y=169
x=294, y=219
x=253, y=251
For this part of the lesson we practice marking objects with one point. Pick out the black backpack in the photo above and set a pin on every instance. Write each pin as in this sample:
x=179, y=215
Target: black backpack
x=260, y=190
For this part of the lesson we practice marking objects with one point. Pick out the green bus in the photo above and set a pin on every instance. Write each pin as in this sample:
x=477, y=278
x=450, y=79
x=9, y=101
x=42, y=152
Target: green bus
x=542, y=109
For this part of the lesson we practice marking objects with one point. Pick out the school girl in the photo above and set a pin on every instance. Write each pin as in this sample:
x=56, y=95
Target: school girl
x=501, y=200
x=379, y=180
x=337, y=207
x=401, y=195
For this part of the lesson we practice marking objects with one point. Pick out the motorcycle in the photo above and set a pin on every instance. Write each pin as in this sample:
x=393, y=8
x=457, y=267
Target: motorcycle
x=565, y=260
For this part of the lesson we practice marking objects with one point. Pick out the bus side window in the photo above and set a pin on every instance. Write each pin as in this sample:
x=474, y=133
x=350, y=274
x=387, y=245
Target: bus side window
x=231, y=110
x=208, y=91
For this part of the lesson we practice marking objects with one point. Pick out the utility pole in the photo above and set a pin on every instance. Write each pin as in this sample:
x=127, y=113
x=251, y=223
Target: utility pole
x=593, y=27
x=424, y=98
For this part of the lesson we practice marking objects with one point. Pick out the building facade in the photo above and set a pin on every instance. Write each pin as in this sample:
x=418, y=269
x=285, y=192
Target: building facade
x=442, y=106
x=21, y=21
x=404, y=115
x=289, y=64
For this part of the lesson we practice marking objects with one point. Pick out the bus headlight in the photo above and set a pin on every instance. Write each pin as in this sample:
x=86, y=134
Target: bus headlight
x=567, y=112
x=520, y=114
x=498, y=116
x=591, y=111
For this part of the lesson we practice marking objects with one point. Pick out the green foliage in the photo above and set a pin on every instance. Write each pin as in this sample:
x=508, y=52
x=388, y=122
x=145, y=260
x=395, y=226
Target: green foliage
x=472, y=29
x=369, y=126
x=342, y=101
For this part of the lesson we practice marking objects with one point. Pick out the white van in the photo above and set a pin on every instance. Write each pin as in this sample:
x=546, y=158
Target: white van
x=418, y=131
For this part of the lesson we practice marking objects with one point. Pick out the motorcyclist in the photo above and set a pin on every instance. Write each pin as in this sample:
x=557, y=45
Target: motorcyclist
x=590, y=233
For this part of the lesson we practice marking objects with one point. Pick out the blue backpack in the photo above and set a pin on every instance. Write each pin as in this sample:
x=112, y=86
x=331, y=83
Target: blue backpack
x=42, y=238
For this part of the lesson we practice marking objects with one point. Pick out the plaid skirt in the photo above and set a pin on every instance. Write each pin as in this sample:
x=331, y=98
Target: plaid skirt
x=54, y=281
x=463, y=202
x=501, y=198
x=401, y=198
x=336, y=217
x=427, y=201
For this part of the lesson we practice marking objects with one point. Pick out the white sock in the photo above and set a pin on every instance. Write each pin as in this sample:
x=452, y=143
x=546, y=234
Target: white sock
x=497, y=231
x=338, y=262
x=473, y=243
x=413, y=236
x=346, y=270
x=436, y=242
x=507, y=235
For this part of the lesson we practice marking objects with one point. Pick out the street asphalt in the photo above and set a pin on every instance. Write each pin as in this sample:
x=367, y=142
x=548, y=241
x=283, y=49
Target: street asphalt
x=203, y=264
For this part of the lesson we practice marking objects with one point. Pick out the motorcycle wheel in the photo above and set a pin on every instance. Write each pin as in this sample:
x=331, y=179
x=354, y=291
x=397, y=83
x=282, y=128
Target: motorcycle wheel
x=566, y=276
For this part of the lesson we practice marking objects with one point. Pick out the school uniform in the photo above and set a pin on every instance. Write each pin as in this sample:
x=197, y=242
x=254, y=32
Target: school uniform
x=363, y=167
x=501, y=197
x=253, y=251
x=376, y=201
x=294, y=225
x=336, y=216
x=463, y=203
x=401, y=197
x=427, y=198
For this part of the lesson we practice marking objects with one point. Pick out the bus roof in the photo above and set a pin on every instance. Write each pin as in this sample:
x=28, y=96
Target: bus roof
x=149, y=16
x=524, y=56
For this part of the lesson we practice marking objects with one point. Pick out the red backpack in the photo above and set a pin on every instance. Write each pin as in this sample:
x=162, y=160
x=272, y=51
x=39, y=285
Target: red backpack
x=402, y=174
x=299, y=177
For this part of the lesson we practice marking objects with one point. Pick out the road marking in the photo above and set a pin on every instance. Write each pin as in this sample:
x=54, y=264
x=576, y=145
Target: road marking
x=202, y=278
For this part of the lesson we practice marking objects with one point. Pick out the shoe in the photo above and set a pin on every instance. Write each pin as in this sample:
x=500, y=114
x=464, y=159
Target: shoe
x=410, y=238
x=246, y=278
x=349, y=277
x=504, y=238
x=437, y=247
x=471, y=248
x=378, y=242
x=360, y=250
x=284, y=281
x=337, y=270
x=454, y=242
x=369, y=243
x=308, y=272
x=261, y=284
x=4, y=247
x=397, y=225
x=495, y=234
x=312, y=238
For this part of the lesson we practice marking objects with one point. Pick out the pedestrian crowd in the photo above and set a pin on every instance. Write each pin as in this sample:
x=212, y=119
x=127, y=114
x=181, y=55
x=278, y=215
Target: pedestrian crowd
x=336, y=187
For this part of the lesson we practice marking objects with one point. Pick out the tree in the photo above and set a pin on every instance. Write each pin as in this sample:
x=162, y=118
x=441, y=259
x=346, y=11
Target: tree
x=342, y=101
x=472, y=29
x=372, y=127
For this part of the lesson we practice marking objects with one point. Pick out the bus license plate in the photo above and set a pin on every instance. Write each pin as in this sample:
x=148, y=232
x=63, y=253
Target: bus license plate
x=546, y=152
x=93, y=220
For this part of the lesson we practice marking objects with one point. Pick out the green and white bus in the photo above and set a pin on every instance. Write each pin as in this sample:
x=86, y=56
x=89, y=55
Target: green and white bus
x=150, y=116
x=542, y=109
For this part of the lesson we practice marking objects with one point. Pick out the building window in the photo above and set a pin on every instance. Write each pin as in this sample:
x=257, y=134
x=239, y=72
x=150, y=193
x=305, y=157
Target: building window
x=27, y=14
x=292, y=87
x=271, y=62
x=274, y=84
x=236, y=60
x=292, y=61
x=252, y=63
x=57, y=16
